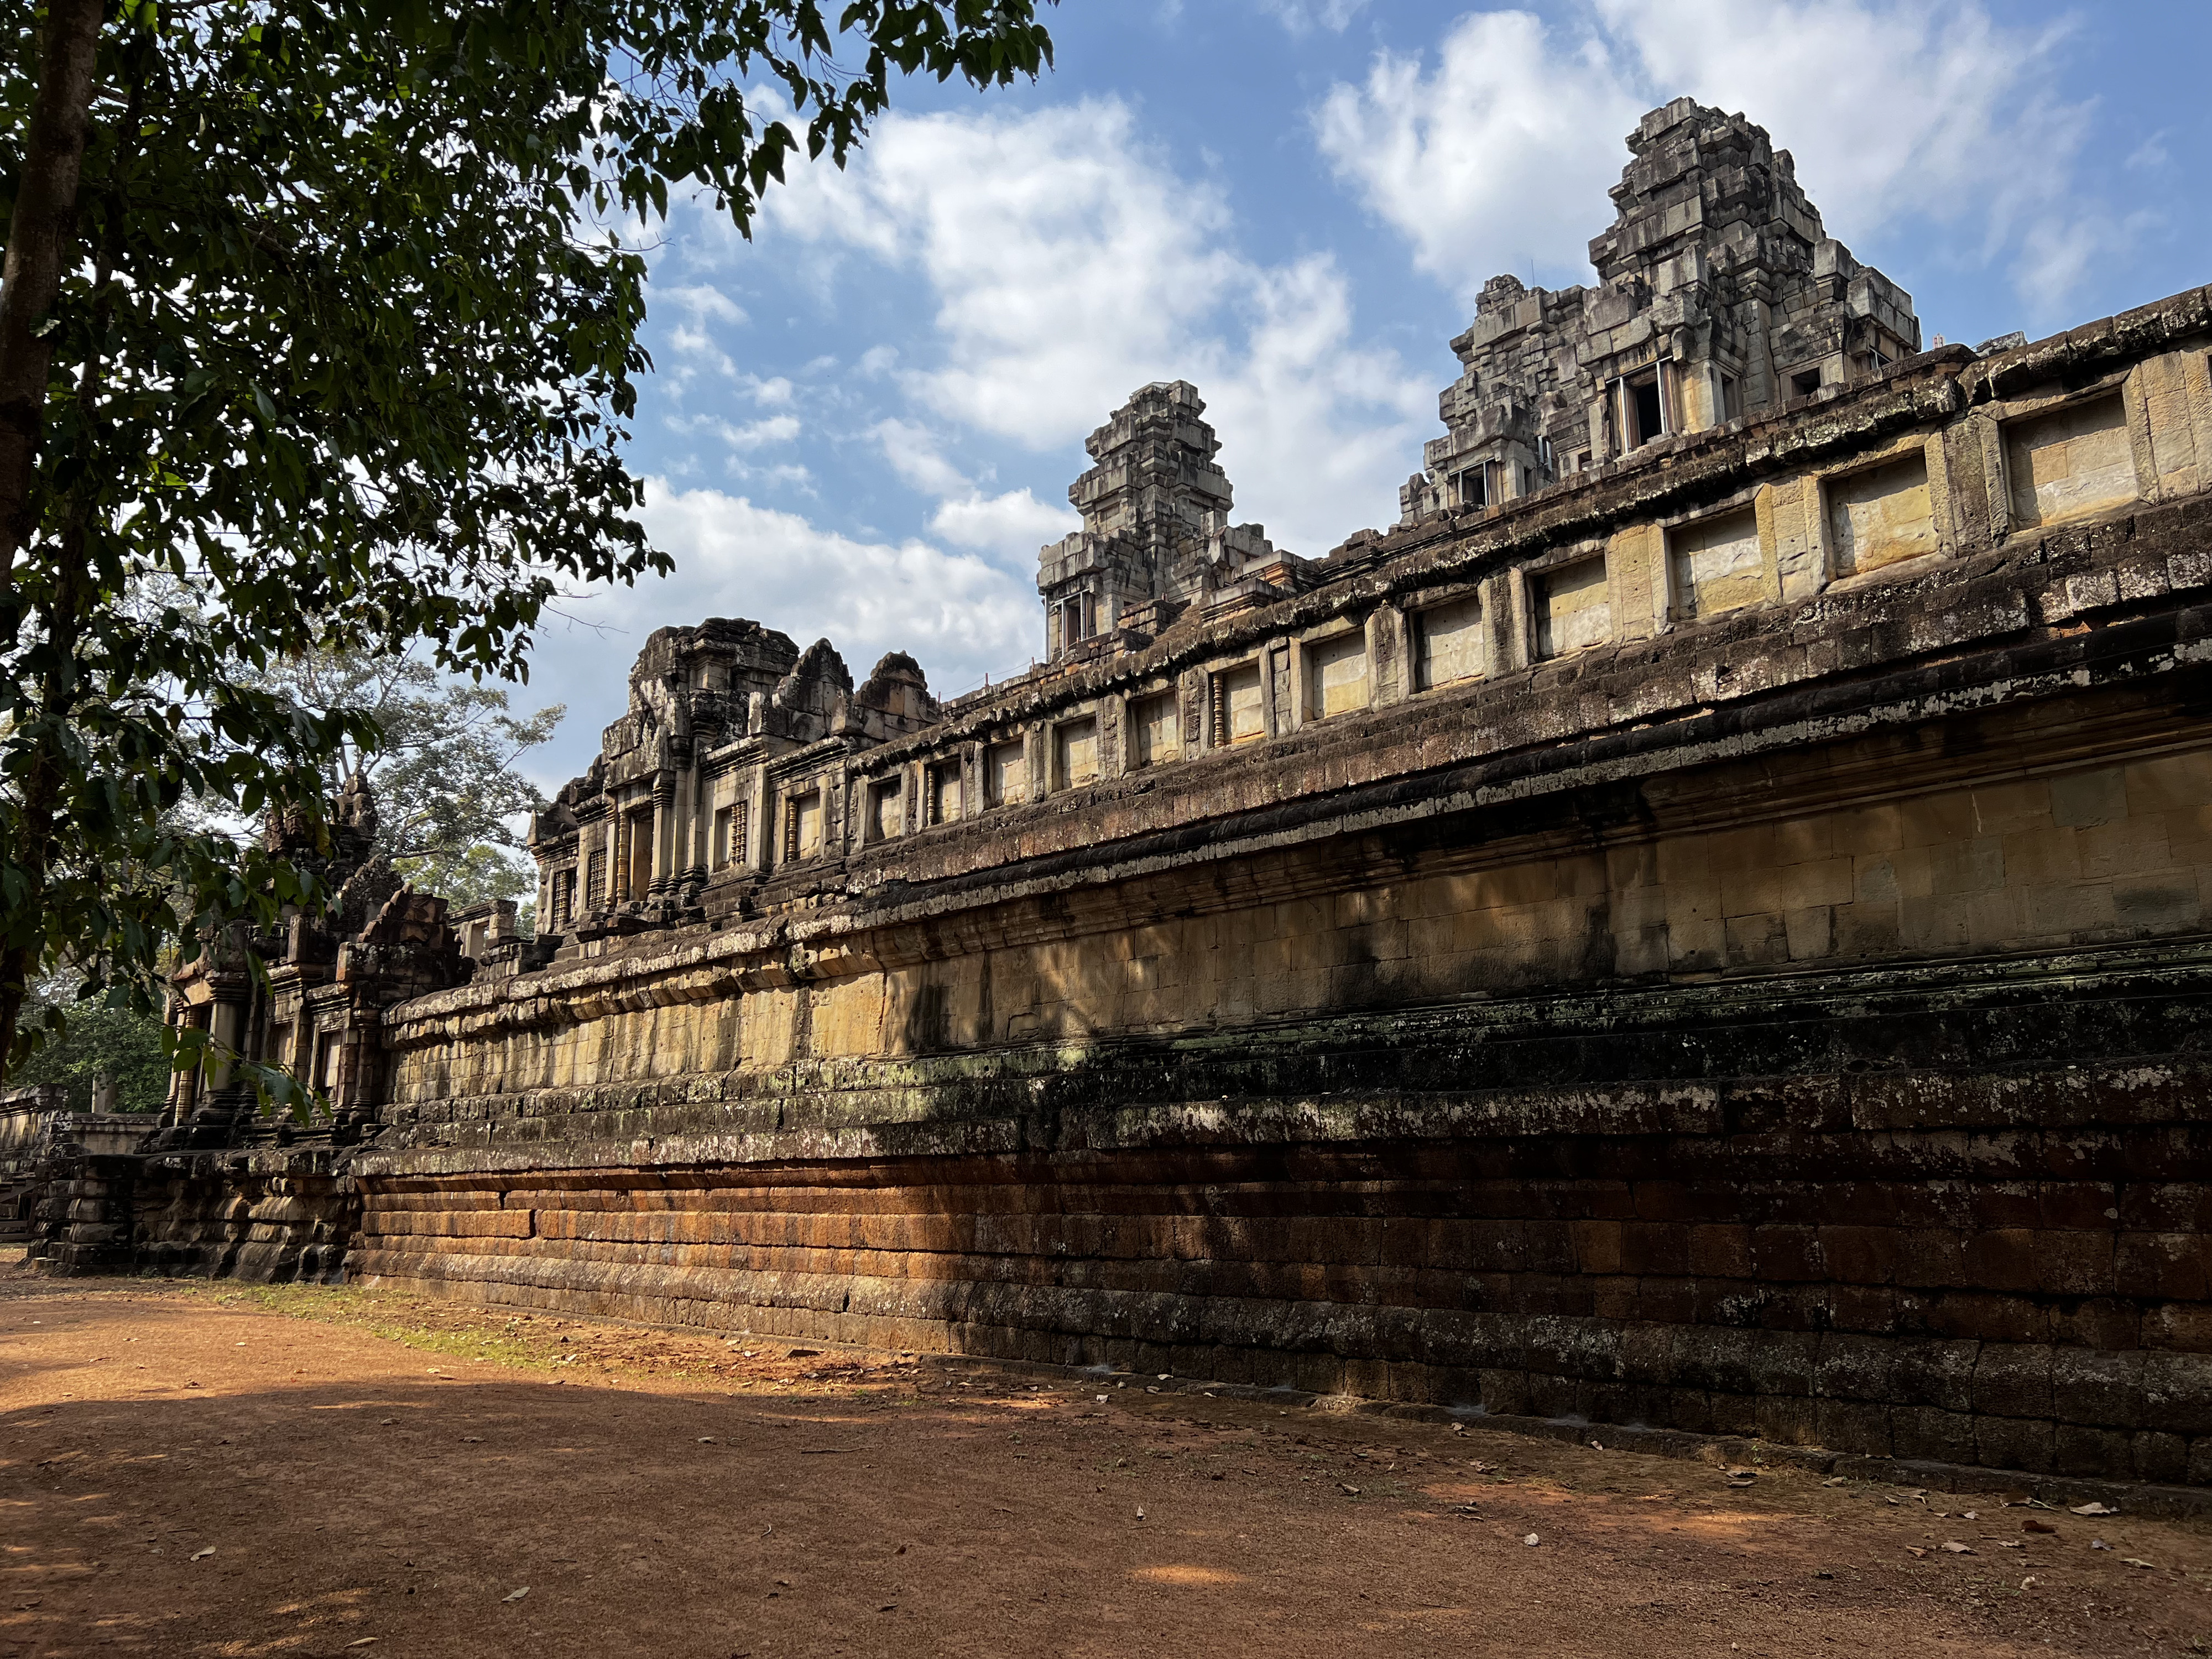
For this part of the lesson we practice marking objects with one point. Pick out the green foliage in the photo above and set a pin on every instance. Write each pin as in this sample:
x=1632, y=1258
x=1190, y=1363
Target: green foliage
x=338, y=352
x=442, y=771
x=102, y=1036
x=474, y=876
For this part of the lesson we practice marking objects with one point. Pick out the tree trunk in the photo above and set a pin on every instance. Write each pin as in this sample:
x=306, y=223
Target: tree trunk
x=39, y=238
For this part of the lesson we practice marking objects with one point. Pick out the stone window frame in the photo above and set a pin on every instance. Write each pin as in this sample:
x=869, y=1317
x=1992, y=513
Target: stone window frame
x=1214, y=718
x=1487, y=471
x=1527, y=578
x=793, y=794
x=1073, y=714
x=1304, y=711
x=1127, y=705
x=1815, y=485
x=935, y=772
x=873, y=787
x=1667, y=382
x=1755, y=499
x=1016, y=738
x=1413, y=607
x=1995, y=422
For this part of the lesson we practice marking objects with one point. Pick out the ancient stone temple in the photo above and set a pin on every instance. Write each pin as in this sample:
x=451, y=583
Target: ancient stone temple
x=1701, y=923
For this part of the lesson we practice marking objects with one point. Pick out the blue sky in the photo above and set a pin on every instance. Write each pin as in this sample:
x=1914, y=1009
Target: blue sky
x=863, y=423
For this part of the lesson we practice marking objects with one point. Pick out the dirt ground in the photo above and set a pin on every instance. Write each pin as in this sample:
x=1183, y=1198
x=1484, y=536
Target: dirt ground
x=206, y=1470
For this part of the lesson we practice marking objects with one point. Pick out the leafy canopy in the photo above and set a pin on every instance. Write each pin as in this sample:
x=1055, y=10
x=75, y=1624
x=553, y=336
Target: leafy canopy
x=341, y=346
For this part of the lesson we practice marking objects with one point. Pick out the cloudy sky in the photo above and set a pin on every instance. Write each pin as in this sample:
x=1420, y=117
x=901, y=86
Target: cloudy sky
x=863, y=423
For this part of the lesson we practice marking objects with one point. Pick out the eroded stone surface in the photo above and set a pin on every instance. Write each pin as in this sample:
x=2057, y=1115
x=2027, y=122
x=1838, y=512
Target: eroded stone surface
x=1714, y=938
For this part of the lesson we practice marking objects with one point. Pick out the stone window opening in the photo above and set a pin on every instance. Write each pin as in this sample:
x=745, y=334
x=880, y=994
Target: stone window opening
x=1644, y=398
x=1005, y=774
x=1805, y=383
x=1078, y=618
x=941, y=792
x=1239, y=705
x=595, y=886
x=1731, y=398
x=729, y=845
x=802, y=826
x=638, y=864
x=886, y=814
x=1472, y=486
x=1155, y=727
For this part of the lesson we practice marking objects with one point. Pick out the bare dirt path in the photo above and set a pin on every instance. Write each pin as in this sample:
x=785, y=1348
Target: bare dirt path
x=194, y=1470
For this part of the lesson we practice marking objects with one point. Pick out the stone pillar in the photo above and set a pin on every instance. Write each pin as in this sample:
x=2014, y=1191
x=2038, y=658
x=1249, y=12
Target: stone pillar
x=185, y=1085
x=664, y=834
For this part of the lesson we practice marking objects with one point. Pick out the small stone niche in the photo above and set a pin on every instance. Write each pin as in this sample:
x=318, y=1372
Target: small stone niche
x=1155, y=731
x=1075, y=753
x=1448, y=642
x=2070, y=462
x=1716, y=564
x=1881, y=515
x=1336, y=676
x=1573, y=608
x=1005, y=774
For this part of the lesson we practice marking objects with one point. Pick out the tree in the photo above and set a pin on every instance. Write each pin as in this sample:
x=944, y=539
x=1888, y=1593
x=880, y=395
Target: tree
x=306, y=308
x=443, y=768
x=103, y=1037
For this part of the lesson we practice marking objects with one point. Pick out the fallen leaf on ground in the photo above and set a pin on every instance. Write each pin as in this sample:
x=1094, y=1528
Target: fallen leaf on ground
x=1530, y=1541
x=201, y=1555
x=1915, y=1550
x=2135, y=1561
x=2034, y=1525
x=2093, y=1508
x=516, y=1595
x=1349, y=1491
x=1956, y=1548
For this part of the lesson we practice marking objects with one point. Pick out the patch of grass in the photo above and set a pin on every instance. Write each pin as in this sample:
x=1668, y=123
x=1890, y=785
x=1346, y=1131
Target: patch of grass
x=365, y=1311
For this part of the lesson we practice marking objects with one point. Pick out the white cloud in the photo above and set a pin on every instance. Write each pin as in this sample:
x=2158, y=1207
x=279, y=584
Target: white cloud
x=911, y=448
x=743, y=437
x=1015, y=525
x=958, y=614
x=1071, y=264
x=701, y=301
x=1895, y=111
x=1302, y=17
x=1494, y=157
x=961, y=616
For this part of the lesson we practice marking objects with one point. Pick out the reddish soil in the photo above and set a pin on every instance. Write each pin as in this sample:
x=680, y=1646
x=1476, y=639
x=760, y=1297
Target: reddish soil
x=196, y=1470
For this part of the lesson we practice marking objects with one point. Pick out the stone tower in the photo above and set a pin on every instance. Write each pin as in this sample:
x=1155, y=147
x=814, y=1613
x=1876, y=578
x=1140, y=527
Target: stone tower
x=1719, y=293
x=1155, y=521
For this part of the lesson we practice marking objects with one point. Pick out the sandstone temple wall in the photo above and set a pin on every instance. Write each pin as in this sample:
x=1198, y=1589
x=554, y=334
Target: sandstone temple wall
x=1716, y=934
